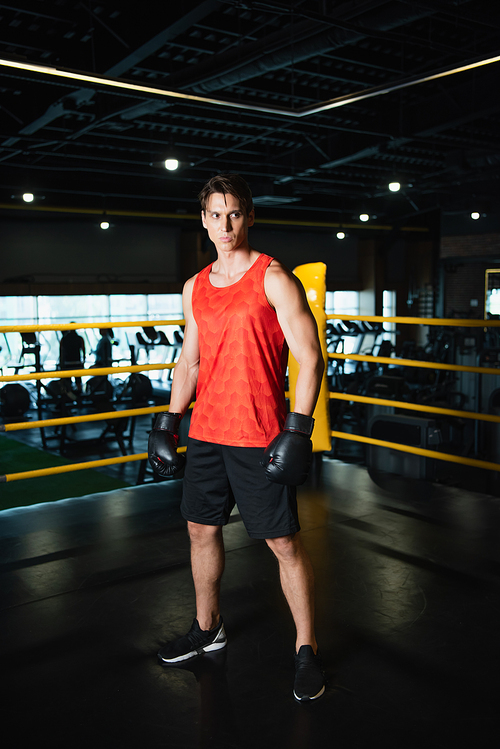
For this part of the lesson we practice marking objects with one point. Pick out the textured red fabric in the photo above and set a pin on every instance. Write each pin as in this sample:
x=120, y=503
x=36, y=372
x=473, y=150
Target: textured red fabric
x=240, y=398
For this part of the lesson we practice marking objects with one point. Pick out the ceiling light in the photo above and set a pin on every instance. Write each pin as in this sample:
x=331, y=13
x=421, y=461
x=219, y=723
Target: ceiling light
x=340, y=235
x=28, y=197
x=364, y=217
x=173, y=160
x=475, y=215
x=171, y=164
x=394, y=186
x=104, y=224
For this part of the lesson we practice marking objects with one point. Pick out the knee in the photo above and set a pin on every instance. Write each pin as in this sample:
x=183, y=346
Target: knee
x=285, y=546
x=199, y=533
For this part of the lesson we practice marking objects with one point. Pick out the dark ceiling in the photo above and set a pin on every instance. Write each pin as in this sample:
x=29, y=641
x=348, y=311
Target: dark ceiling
x=89, y=145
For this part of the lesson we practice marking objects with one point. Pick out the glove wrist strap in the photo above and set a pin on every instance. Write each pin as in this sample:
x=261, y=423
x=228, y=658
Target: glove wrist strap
x=168, y=422
x=299, y=423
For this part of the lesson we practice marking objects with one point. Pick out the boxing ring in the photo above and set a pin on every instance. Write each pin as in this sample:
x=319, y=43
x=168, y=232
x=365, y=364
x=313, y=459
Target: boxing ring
x=312, y=276
x=407, y=607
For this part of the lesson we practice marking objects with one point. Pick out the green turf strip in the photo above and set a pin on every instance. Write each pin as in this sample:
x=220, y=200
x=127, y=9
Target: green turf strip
x=16, y=457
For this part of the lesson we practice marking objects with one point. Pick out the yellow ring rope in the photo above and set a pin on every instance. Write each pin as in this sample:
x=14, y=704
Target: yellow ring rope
x=420, y=451
x=75, y=467
x=81, y=326
x=415, y=407
x=418, y=321
x=92, y=372
x=416, y=363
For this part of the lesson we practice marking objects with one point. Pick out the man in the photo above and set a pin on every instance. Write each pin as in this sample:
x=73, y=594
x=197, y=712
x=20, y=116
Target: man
x=72, y=354
x=103, y=351
x=242, y=315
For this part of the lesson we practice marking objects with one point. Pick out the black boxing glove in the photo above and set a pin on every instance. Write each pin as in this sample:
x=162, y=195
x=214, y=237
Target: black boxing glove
x=287, y=458
x=162, y=445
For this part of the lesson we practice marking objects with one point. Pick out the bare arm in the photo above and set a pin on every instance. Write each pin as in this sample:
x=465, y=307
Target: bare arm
x=186, y=370
x=286, y=294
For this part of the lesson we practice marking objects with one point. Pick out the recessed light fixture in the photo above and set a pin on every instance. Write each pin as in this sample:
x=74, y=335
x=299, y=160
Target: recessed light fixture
x=364, y=217
x=104, y=224
x=341, y=235
x=28, y=197
x=475, y=215
x=394, y=186
x=171, y=164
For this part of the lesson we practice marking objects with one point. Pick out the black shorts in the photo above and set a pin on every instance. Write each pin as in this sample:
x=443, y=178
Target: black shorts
x=219, y=476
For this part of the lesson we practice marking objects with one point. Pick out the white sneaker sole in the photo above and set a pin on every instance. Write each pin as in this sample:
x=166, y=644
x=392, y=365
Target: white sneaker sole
x=216, y=645
x=308, y=699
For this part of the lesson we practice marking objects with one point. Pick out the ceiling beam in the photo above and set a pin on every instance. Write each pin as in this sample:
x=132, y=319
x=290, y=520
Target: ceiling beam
x=60, y=107
x=440, y=113
x=167, y=35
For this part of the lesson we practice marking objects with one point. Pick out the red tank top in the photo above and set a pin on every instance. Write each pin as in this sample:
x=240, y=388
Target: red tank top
x=240, y=395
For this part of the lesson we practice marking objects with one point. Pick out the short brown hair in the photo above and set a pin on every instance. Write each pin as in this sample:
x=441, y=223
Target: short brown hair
x=231, y=184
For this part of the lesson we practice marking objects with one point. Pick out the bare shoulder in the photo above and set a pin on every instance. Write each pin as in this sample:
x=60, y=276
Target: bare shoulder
x=187, y=290
x=187, y=296
x=190, y=282
x=281, y=284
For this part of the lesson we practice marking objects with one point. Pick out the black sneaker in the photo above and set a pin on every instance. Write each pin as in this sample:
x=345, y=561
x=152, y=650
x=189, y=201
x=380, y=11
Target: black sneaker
x=196, y=642
x=309, y=680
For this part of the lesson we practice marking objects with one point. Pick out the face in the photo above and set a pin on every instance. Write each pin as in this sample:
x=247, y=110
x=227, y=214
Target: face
x=226, y=222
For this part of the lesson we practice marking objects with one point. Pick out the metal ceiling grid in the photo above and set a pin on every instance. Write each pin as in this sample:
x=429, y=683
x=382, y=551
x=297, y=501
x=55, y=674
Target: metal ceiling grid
x=441, y=137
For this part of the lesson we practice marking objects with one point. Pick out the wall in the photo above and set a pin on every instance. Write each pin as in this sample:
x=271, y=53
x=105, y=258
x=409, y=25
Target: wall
x=409, y=270
x=50, y=254
x=464, y=260
x=302, y=245
x=52, y=250
x=41, y=249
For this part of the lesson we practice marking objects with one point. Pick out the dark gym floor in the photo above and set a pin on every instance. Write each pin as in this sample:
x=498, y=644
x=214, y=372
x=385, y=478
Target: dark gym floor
x=407, y=618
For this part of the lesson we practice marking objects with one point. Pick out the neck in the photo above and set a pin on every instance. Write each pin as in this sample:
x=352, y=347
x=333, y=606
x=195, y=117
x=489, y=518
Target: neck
x=235, y=262
x=230, y=267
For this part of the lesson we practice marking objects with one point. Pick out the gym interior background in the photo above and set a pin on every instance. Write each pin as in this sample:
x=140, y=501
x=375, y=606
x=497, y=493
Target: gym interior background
x=320, y=106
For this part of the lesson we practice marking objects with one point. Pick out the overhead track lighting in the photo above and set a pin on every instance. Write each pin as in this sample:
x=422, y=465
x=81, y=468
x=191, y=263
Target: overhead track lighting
x=339, y=101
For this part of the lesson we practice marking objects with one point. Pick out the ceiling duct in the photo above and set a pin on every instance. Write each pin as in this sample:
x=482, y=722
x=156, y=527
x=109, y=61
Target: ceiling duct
x=283, y=48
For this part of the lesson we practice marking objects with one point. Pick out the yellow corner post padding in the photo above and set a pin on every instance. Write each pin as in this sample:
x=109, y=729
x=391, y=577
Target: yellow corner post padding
x=313, y=278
